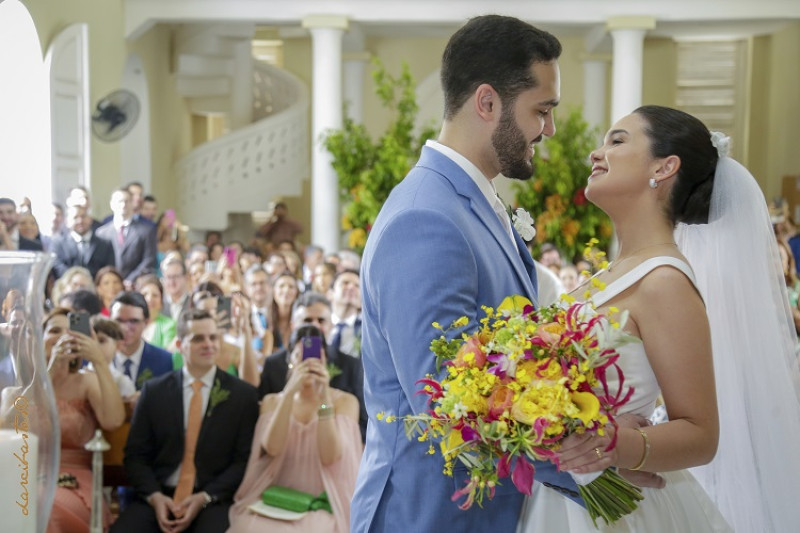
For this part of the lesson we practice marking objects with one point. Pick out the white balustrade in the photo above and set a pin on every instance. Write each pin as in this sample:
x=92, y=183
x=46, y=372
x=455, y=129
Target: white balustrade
x=244, y=170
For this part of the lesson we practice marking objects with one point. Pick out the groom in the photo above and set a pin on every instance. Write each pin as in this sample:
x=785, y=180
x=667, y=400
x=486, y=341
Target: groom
x=442, y=247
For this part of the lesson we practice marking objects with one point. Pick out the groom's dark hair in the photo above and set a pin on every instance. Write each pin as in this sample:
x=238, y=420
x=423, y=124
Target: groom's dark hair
x=496, y=50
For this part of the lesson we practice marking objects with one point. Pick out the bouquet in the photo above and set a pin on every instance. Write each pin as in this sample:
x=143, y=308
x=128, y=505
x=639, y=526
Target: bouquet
x=516, y=387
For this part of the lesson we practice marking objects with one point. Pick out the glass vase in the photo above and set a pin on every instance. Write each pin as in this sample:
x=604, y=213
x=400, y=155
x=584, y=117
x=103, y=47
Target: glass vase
x=29, y=430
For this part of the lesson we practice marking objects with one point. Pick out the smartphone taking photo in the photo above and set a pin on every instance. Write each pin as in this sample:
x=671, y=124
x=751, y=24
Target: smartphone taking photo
x=78, y=321
x=312, y=347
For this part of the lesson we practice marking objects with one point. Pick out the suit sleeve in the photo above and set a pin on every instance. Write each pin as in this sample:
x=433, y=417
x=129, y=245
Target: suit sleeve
x=59, y=264
x=424, y=262
x=140, y=450
x=148, y=262
x=227, y=482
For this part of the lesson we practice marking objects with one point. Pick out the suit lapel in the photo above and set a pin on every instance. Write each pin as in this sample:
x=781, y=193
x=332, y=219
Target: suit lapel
x=90, y=250
x=485, y=214
x=175, y=398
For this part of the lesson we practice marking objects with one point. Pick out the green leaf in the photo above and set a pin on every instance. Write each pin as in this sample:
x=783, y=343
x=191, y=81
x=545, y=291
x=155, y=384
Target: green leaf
x=368, y=170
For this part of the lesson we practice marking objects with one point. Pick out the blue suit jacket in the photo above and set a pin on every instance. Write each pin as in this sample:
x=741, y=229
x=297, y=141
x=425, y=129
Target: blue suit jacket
x=155, y=362
x=437, y=252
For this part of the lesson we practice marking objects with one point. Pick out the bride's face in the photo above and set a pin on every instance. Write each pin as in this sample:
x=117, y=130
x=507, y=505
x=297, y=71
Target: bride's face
x=623, y=165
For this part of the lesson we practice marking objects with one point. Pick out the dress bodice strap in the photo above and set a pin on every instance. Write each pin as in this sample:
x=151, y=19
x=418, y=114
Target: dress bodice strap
x=634, y=275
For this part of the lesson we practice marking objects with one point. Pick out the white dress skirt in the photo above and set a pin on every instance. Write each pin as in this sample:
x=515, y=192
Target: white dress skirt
x=681, y=506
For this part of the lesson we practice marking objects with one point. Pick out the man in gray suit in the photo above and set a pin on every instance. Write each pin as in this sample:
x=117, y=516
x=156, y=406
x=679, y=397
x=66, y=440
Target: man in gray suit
x=134, y=240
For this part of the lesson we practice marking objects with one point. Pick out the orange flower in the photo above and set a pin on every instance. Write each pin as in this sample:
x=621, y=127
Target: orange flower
x=471, y=354
x=500, y=401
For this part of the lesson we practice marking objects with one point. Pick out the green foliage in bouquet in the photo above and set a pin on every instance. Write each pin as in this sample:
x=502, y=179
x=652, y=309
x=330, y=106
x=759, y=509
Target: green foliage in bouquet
x=368, y=170
x=555, y=195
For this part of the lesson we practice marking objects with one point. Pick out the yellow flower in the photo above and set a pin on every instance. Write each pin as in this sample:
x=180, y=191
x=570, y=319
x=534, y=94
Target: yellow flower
x=357, y=238
x=514, y=304
x=460, y=322
x=346, y=225
x=452, y=442
x=588, y=404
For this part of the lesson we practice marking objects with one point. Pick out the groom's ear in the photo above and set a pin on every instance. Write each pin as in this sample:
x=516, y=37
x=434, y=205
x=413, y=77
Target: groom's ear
x=486, y=102
x=668, y=168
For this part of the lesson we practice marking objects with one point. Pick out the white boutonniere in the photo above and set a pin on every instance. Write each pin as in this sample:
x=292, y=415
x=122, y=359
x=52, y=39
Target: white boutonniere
x=523, y=223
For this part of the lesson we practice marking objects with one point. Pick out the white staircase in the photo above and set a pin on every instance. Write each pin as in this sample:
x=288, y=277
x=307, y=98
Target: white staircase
x=266, y=155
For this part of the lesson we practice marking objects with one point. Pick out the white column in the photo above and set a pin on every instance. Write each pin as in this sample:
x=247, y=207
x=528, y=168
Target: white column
x=628, y=35
x=355, y=66
x=242, y=85
x=326, y=38
x=595, y=79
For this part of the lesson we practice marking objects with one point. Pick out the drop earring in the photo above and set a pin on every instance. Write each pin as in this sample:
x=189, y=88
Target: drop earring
x=653, y=183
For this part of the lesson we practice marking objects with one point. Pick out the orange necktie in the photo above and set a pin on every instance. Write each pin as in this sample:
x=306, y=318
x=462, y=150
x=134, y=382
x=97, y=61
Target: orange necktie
x=186, y=480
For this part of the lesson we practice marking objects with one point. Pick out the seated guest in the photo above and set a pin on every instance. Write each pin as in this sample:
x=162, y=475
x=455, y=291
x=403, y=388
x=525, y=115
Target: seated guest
x=74, y=279
x=347, y=373
x=160, y=329
x=80, y=246
x=346, y=315
x=237, y=355
x=108, y=335
x=284, y=292
x=184, y=482
x=85, y=400
x=258, y=290
x=10, y=237
x=307, y=439
x=135, y=358
x=175, y=283
x=108, y=283
x=322, y=279
x=82, y=300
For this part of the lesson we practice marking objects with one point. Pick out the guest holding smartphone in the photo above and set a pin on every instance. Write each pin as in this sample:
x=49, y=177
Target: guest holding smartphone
x=85, y=401
x=307, y=438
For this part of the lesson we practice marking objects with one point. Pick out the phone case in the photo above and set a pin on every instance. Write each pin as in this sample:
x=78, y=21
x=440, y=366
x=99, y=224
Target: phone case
x=79, y=321
x=312, y=347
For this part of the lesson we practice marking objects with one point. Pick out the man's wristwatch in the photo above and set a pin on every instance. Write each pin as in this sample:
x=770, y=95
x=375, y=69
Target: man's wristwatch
x=208, y=499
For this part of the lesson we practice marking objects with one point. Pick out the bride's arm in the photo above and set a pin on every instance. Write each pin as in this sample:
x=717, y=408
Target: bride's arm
x=672, y=322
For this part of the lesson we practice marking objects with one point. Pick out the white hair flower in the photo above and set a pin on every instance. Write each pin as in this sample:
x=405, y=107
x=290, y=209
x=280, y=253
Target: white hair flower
x=523, y=223
x=721, y=142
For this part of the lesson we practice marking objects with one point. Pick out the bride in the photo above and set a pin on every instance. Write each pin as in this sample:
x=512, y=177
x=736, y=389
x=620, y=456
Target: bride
x=658, y=167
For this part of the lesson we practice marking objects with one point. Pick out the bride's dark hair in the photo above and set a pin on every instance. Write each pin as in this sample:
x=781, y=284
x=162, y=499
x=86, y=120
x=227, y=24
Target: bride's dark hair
x=674, y=132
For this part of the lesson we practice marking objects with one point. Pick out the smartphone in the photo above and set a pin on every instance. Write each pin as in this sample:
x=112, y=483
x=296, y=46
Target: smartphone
x=169, y=215
x=312, y=347
x=230, y=256
x=224, y=308
x=78, y=321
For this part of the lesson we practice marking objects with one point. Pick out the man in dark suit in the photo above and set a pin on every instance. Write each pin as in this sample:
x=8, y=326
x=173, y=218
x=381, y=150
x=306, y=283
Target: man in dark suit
x=160, y=459
x=134, y=241
x=10, y=239
x=313, y=308
x=135, y=358
x=80, y=246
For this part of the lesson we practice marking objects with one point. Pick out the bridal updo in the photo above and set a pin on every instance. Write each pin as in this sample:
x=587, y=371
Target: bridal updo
x=674, y=132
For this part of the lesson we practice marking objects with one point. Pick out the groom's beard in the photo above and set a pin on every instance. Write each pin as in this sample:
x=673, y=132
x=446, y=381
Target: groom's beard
x=511, y=147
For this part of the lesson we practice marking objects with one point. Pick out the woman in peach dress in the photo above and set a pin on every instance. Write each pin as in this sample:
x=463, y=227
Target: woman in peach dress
x=85, y=401
x=307, y=438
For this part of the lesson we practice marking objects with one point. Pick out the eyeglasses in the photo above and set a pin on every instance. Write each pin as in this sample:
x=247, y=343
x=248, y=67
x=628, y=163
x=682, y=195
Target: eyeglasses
x=129, y=321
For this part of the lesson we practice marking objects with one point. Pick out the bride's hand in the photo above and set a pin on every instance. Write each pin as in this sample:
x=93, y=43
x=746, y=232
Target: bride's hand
x=587, y=453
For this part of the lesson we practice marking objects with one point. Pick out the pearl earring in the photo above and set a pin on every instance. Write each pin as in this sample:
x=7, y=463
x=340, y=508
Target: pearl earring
x=653, y=183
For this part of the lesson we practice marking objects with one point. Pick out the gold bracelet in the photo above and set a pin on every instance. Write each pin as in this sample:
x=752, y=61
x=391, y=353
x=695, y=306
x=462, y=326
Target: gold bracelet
x=325, y=411
x=646, y=453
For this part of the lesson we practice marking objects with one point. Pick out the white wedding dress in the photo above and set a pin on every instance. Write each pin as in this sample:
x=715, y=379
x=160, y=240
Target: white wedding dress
x=681, y=506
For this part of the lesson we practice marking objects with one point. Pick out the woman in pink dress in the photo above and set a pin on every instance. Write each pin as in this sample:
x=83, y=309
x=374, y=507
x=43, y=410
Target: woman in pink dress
x=307, y=439
x=85, y=401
